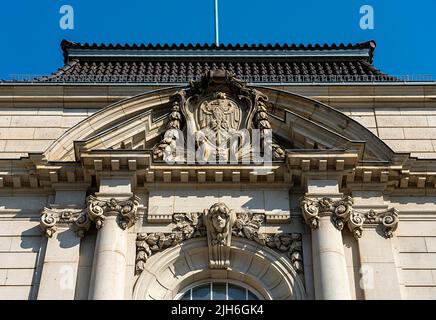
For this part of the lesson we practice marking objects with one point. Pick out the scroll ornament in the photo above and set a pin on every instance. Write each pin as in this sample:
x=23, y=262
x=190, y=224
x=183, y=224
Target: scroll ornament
x=342, y=213
x=51, y=218
x=388, y=219
x=124, y=210
x=339, y=210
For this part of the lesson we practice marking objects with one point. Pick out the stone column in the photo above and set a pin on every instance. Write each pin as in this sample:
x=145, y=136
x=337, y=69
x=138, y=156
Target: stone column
x=325, y=211
x=113, y=210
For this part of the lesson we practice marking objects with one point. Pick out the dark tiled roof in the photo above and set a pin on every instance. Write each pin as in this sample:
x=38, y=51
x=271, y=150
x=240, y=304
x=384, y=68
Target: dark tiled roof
x=180, y=63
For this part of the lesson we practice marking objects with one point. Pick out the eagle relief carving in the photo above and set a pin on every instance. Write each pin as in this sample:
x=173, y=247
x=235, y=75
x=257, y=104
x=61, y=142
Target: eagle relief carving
x=218, y=118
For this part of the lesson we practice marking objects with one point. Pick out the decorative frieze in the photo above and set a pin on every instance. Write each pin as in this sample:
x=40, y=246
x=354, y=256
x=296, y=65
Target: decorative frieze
x=51, y=218
x=124, y=210
x=342, y=213
x=191, y=225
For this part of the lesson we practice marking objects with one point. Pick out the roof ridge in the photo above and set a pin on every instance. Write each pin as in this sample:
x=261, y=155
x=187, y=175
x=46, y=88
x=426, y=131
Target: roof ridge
x=67, y=45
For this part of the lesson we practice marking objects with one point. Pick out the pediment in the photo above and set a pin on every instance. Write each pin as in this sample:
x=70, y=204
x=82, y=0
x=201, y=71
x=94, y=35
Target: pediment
x=220, y=104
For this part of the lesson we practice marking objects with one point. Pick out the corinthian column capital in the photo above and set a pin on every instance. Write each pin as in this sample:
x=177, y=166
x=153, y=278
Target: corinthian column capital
x=124, y=210
x=339, y=210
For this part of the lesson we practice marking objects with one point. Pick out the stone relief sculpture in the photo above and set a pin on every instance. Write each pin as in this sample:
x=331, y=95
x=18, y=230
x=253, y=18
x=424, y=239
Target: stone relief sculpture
x=342, y=213
x=261, y=122
x=216, y=224
x=338, y=209
x=187, y=226
x=80, y=220
x=388, y=219
x=247, y=225
x=167, y=146
x=124, y=210
x=69, y=217
x=219, y=220
x=219, y=111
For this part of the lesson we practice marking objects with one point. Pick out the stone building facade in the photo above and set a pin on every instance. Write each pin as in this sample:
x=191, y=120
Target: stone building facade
x=91, y=207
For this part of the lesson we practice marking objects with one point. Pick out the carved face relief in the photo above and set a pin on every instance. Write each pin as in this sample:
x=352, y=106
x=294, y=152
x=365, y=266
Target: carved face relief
x=219, y=222
x=220, y=217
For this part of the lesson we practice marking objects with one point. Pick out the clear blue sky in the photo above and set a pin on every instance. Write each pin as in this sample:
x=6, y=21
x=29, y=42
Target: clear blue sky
x=30, y=35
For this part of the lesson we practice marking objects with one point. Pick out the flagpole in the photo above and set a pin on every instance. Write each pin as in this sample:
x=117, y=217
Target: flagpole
x=216, y=24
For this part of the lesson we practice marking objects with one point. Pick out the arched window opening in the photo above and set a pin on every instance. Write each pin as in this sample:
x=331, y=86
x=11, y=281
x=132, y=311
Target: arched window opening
x=217, y=291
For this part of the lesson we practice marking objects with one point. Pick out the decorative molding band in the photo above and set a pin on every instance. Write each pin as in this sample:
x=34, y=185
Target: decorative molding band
x=192, y=225
x=339, y=210
x=124, y=210
x=51, y=218
x=342, y=213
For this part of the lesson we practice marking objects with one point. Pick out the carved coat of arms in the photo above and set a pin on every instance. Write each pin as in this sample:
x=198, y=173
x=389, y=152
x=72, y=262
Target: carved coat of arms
x=220, y=114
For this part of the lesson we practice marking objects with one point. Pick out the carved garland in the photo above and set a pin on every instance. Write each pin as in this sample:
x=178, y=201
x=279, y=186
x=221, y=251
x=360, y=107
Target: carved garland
x=192, y=225
x=261, y=122
x=168, y=143
x=342, y=213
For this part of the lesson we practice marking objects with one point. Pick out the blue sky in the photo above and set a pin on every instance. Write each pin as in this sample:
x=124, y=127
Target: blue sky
x=30, y=34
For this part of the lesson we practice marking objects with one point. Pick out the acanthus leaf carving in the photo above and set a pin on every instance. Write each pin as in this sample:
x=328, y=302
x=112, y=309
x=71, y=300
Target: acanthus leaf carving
x=187, y=226
x=247, y=225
